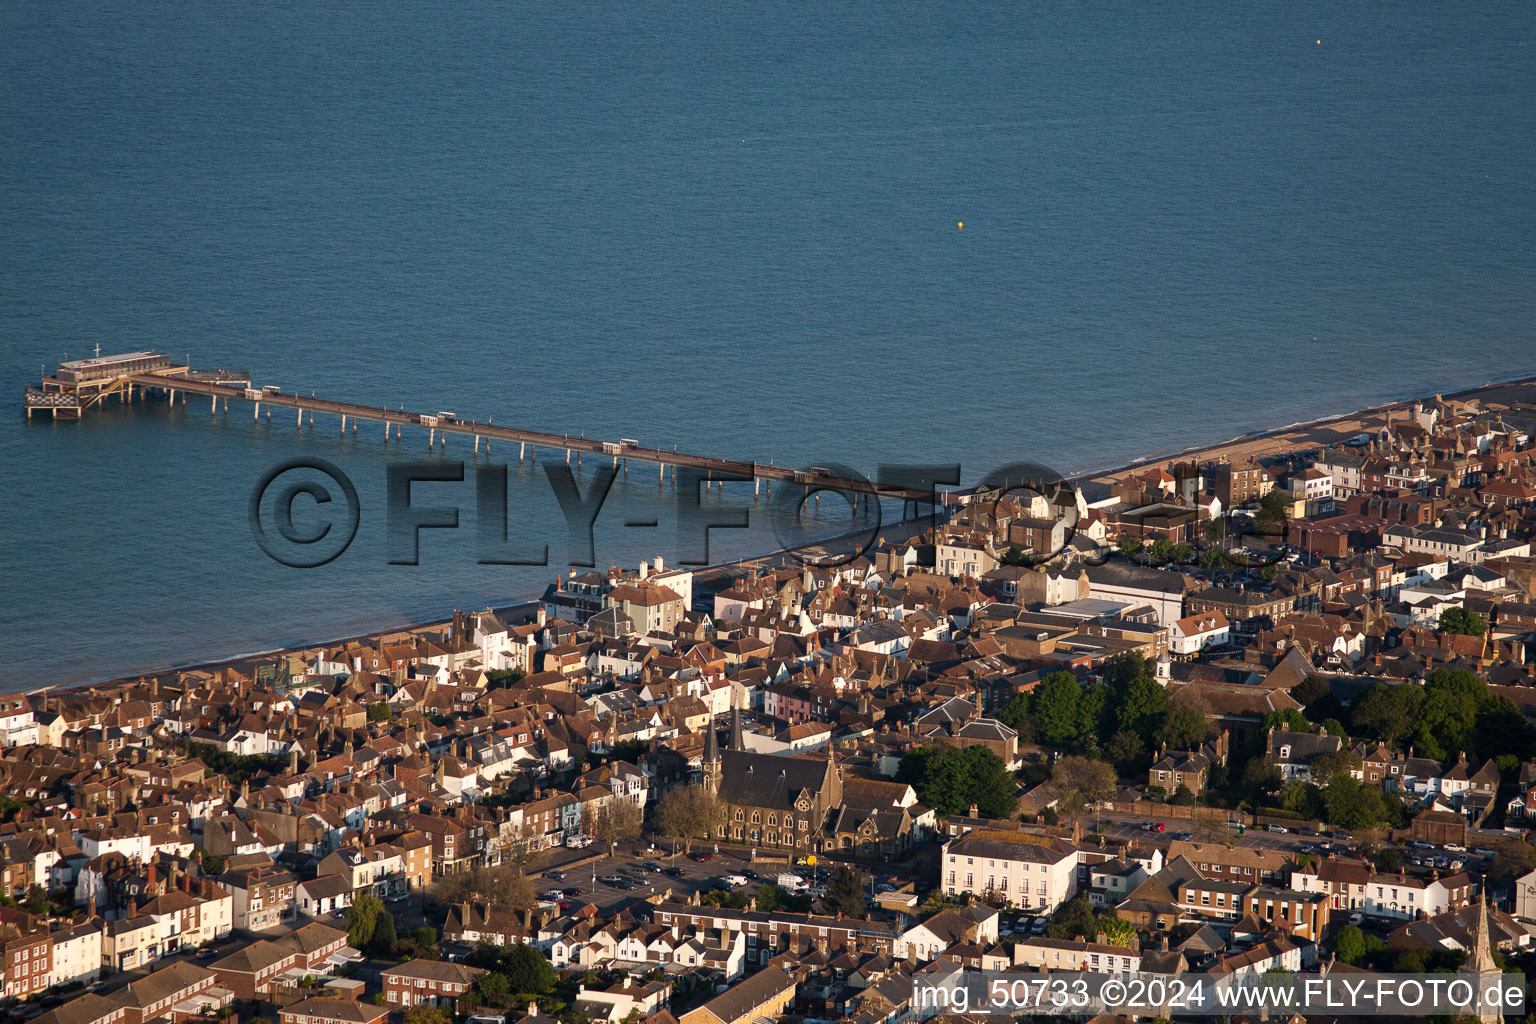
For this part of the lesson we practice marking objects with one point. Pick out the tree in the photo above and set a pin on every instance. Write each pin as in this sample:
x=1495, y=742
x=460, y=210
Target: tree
x=363, y=920
x=1311, y=690
x=384, y=936
x=1387, y=712
x=493, y=988
x=845, y=891
x=1140, y=704
x=1054, y=704
x=1184, y=727
x=1262, y=778
x=770, y=898
x=1129, y=545
x=379, y=712
x=688, y=813
x=1208, y=826
x=1183, y=796
x=616, y=820
x=951, y=779
x=1326, y=765
x=527, y=970
x=1349, y=944
x=1016, y=712
x=1303, y=798
x=1464, y=621
x=421, y=1013
x=1117, y=931
x=1124, y=749
x=1092, y=779
x=425, y=936
x=1288, y=719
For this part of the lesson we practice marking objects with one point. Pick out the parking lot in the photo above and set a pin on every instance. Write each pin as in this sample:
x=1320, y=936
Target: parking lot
x=596, y=885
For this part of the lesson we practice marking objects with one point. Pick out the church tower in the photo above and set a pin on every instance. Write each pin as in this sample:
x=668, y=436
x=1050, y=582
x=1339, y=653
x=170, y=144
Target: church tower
x=1481, y=961
x=711, y=761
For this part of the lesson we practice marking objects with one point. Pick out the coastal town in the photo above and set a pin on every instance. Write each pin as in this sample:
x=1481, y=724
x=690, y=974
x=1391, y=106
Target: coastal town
x=1269, y=707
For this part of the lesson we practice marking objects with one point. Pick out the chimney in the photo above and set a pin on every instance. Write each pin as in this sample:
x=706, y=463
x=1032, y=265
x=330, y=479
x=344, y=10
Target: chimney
x=975, y=811
x=644, y=569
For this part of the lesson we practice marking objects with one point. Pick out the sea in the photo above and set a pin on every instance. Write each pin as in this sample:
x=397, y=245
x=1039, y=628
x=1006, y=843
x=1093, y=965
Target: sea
x=813, y=234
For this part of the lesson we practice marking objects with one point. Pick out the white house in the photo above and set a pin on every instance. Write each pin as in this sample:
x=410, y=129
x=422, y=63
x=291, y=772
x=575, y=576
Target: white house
x=1193, y=633
x=1030, y=871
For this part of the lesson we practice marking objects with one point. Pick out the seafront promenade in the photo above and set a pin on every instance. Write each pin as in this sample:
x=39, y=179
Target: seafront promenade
x=1515, y=396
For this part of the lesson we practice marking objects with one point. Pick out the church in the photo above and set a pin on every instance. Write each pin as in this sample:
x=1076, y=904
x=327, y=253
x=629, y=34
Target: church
x=780, y=803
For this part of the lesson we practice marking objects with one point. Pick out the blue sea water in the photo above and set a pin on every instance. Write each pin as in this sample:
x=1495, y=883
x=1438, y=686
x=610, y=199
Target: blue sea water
x=729, y=227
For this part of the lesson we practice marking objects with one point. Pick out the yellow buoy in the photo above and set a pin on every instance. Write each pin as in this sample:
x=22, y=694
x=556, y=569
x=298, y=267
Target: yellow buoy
x=960, y=226
x=1319, y=42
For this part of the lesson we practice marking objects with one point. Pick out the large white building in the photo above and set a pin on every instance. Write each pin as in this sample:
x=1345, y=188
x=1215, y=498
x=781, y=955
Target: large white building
x=1030, y=871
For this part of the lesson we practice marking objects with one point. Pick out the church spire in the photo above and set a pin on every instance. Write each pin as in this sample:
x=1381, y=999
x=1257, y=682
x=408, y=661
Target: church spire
x=711, y=761
x=736, y=743
x=1481, y=962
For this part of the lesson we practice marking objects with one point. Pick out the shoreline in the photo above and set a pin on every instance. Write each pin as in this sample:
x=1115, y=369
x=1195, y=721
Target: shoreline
x=1296, y=436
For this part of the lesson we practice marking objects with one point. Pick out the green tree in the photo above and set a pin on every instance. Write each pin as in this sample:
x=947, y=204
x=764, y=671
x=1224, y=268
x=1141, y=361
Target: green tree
x=1262, y=778
x=1116, y=931
x=379, y=712
x=1388, y=712
x=212, y=863
x=1124, y=749
x=1184, y=728
x=1129, y=545
x=1464, y=621
x=1326, y=765
x=421, y=1013
x=1016, y=712
x=1311, y=690
x=1285, y=718
x=425, y=936
x=528, y=970
x=1303, y=798
x=770, y=898
x=1054, y=705
x=363, y=920
x=1140, y=705
x=951, y=779
x=1349, y=944
x=493, y=988
x=845, y=891
x=384, y=937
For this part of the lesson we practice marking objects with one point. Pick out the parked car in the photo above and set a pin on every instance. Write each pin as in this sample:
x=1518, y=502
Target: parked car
x=651, y=865
x=609, y=879
x=1455, y=848
x=704, y=857
x=885, y=887
x=555, y=876
x=736, y=880
x=1356, y=918
x=1041, y=923
x=751, y=875
x=1419, y=844
x=553, y=894
x=1276, y=828
x=574, y=890
x=672, y=872
x=1343, y=837
x=578, y=841
x=625, y=885
x=1483, y=851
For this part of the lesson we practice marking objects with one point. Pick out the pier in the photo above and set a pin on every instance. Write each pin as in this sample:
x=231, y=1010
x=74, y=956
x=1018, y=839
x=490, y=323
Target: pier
x=82, y=384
